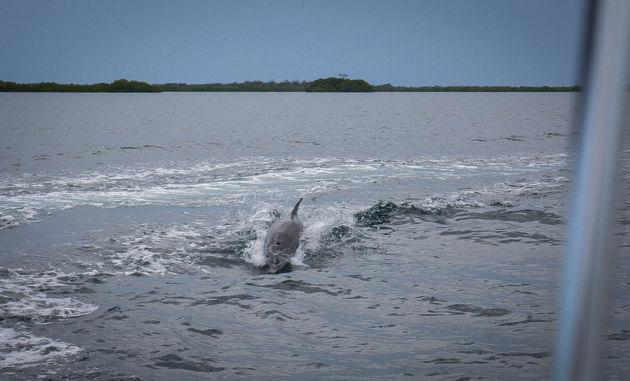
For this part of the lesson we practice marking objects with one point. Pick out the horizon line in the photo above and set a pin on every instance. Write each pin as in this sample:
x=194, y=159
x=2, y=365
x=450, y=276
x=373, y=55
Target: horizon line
x=290, y=81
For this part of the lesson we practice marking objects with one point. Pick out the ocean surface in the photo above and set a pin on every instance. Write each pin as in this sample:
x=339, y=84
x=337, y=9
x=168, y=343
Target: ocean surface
x=132, y=225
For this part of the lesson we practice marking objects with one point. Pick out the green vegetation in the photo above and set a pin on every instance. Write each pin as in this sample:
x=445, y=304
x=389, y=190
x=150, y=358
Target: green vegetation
x=118, y=86
x=332, y=84
x=236, y=86
x=389, y=87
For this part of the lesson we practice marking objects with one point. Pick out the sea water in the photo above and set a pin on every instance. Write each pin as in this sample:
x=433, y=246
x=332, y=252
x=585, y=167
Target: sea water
x=132, y=227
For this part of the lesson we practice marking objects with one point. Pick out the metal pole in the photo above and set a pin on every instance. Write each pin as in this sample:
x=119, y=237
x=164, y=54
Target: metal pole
x=583, y=292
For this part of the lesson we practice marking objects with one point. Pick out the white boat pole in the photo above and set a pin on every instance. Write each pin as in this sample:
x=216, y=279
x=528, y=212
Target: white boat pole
x=583, y=295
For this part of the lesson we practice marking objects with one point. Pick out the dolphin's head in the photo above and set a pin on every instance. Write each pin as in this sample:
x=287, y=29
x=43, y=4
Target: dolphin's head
x=276, y=263
x=277, y=255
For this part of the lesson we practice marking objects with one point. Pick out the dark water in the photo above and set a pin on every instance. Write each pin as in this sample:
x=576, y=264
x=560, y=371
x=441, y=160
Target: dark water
x=131, y=231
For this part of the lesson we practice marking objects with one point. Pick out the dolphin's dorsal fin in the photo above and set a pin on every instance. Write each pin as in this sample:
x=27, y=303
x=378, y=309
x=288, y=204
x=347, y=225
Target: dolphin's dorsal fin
x=295, y=208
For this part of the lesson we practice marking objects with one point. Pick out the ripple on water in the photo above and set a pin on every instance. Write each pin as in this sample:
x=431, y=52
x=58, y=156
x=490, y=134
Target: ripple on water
x=173, y=361
x=299, y=285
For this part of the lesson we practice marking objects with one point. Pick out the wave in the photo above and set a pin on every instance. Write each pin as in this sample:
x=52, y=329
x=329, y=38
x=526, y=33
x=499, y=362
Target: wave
x=31, y=197
x=389, y=212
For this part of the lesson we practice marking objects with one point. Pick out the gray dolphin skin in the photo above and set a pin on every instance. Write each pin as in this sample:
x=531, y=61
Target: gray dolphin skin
x=282, y=240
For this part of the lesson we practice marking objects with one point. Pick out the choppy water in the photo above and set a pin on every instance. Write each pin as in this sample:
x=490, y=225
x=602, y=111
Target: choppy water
x=131, y=231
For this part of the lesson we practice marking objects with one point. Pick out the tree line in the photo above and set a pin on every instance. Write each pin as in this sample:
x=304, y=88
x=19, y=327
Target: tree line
x=237, y=86
x=118, y=86
x=331, y=84
x=389, y=87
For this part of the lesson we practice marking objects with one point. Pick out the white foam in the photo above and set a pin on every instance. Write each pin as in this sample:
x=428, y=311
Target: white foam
x=140, y=260
x=259, y=222
x=38, y=306
x=15, y=216
x=256, y=251
x=7, y=221
x=211, y=183
x=158, y=251
x=23, y=349
x=27, y=300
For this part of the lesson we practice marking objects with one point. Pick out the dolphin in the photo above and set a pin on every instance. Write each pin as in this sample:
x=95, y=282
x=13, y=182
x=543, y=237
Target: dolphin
x=282, y=240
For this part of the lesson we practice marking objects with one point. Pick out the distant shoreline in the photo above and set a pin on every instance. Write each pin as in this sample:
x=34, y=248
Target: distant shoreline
x=331, y=84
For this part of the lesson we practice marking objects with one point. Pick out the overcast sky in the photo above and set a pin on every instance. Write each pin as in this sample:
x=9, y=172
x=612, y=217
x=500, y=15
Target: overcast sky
x=422, y=42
